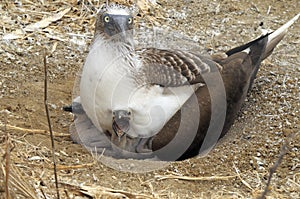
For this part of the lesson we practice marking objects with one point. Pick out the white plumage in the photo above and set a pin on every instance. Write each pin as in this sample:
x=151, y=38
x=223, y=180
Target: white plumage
x=118, y=77
x=109, y=83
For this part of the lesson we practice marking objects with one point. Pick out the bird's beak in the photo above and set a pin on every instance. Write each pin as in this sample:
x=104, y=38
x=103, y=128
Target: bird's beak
x=120, y=127
x=120, y=124
x=119, y=28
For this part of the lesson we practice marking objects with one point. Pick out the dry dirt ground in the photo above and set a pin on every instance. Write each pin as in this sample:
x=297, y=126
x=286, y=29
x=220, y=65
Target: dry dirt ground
x=269, y=117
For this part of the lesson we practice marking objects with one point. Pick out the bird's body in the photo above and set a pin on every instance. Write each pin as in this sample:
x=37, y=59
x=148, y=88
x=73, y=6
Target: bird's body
x=112, y=79
x=99, y=77
x=135, y=95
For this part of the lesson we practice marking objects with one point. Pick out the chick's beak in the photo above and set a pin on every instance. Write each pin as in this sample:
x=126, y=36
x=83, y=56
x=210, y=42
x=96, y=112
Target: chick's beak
x=120, y=123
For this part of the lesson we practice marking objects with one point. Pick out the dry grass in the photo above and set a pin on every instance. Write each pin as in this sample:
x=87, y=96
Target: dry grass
x=66, y=26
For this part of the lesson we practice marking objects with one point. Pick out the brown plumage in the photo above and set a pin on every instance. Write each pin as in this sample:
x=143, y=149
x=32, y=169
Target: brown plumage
x=239, y=69
x=173, y=68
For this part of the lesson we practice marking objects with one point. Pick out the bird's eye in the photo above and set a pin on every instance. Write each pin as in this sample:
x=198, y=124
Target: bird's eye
x=130, y=20
x=106, y=19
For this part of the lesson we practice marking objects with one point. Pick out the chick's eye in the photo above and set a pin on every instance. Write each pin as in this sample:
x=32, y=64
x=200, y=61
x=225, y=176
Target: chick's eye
x=106, y=19
x=130, y=20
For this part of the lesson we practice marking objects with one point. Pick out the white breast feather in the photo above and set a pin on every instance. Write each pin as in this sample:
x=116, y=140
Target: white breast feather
x=107, y=85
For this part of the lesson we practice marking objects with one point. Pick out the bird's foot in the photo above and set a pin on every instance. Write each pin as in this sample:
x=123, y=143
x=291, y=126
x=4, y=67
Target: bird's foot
x=129, y=147
x=144, y=145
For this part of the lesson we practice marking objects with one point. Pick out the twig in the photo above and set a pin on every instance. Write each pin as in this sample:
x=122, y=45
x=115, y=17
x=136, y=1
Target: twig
x=43, y=193
x=103, y=192
x=7, y=160
x=243, y=181
x=49, y=123
x=284, y=150
x=269, y=10
x=18, y=182
x=256, y=8
x=38, y=131
x=163, y=177
x=65, y=167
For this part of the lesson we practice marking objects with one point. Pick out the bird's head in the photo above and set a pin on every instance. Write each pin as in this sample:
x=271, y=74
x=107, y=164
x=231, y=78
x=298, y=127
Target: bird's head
x=115, y=21
x=121, y=122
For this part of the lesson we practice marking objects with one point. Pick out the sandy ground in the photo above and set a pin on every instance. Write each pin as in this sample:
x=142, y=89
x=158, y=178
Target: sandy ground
x=269, y=117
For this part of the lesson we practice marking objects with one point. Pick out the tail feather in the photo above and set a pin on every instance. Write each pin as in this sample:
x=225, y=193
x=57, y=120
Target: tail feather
x=275, y=37
x=260, y=48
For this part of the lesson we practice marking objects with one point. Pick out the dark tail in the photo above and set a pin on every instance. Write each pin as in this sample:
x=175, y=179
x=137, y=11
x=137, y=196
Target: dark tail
x=273, y=39
x=260, y=48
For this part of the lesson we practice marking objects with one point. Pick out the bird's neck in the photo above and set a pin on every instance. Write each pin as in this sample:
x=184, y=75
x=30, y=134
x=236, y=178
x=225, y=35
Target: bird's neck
x=116, y=45
x=118, y=42
x=114, y=50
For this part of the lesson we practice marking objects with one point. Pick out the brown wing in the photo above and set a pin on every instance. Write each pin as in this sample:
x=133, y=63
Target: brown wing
x=172, y=68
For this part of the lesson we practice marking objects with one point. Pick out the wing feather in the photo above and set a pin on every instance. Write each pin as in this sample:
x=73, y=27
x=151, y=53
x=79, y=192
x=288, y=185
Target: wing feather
x=173, y=68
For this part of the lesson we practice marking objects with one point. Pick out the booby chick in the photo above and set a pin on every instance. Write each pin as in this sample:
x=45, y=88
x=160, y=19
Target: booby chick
x=134, y=96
